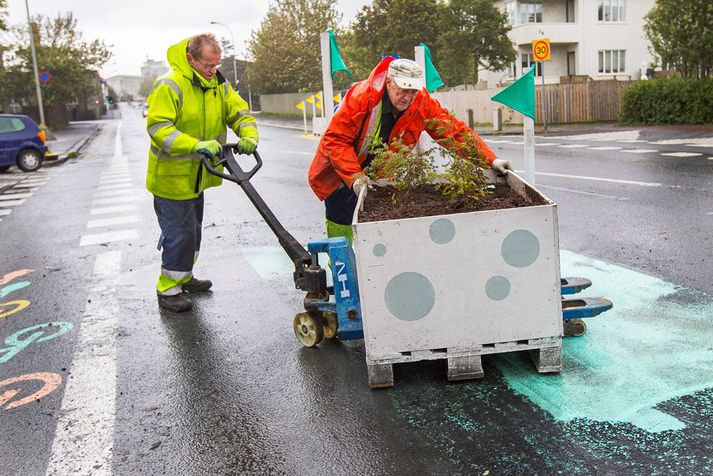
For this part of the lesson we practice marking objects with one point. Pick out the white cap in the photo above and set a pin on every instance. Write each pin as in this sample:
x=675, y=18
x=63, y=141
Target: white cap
x=407, y=74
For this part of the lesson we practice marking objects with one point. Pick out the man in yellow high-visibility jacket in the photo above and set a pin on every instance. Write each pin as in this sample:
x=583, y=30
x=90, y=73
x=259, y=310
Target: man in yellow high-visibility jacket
x=189, y=110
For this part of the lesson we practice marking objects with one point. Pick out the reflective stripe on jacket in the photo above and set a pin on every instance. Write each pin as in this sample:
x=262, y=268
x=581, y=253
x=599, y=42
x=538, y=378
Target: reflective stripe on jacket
x=343, y=147
x=184, y=109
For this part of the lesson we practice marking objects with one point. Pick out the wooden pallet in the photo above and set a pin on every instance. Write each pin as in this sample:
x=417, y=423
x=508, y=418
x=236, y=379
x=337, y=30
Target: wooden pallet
x=465, y=363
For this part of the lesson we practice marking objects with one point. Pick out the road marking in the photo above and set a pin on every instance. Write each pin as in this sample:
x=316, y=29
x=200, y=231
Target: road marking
x=120, y=220
x=634, y=141
x=126, y=181
x=573, y=146
x=681, y=154
x=116, y=209
x=110, y=200
x=639, y=151
x=11, y=203
x=633, y=358
x=117, y=177
x=50, y=381
x=599, y=179
x=5, y=212
x=109, y=237
x=33, y=183
x=548, y=144
x=709, y=213
x=115, y=192
x=605, y=148
x=84, y=435
x=581, y=192
x=115, y=186
x=15, y=196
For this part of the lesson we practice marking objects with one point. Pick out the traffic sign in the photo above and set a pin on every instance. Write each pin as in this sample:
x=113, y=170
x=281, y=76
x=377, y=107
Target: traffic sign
x=45, y=77
x=541, y=49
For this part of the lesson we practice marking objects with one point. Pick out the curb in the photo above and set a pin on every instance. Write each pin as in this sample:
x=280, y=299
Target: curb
x=74, y=149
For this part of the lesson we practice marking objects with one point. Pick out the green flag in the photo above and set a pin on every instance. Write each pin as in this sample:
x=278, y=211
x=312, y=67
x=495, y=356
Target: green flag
x=520, y=95
x=433, y=79
x=335, y=59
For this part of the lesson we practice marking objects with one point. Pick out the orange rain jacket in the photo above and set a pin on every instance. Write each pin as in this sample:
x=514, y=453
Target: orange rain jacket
x=344, y=147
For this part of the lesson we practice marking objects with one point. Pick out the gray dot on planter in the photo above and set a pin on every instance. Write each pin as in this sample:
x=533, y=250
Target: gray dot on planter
x=520, y=248
x=409, y=296
x=379, y=250
x=442, y=231
x=497, y=288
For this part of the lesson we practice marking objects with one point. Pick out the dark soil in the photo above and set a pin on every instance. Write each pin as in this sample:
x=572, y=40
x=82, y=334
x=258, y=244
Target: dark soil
x=426, y=201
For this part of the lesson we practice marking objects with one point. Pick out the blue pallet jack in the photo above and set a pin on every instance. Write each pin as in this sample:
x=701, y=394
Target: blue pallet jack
x=335, y=311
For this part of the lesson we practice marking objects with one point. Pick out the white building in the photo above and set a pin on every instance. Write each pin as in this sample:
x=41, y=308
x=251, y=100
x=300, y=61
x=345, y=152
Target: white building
x=602, y=39
x=153, y=69
x=124, y=84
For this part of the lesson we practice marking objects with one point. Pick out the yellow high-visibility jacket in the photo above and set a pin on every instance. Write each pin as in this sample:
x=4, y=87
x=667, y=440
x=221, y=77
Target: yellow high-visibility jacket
x=185, y=108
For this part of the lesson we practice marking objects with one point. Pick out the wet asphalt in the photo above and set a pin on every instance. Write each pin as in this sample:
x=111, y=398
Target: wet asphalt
x=227, y=389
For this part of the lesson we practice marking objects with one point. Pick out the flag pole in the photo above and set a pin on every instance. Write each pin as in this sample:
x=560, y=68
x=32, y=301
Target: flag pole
x=327, y=86
x=528, y=131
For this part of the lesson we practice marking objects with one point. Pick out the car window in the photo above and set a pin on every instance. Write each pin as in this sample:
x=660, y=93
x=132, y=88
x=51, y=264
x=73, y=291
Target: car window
x=11, y=124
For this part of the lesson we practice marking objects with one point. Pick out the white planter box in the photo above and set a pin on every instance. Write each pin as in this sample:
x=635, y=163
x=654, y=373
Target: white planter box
x=459, y=286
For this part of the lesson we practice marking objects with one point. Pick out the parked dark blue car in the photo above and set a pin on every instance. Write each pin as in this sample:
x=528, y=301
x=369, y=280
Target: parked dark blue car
x=22, y=143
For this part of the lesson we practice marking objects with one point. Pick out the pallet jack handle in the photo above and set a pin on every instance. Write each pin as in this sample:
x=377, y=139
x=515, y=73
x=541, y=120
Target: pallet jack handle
x=306, y=266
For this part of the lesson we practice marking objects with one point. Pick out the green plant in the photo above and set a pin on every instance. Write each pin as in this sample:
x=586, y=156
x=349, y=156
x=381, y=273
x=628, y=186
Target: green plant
x=405, y=168
x=462, y=177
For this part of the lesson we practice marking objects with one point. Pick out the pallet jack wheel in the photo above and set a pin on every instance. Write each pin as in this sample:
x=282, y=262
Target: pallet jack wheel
x=330, y=325
x=308, y=329
x=574, y=328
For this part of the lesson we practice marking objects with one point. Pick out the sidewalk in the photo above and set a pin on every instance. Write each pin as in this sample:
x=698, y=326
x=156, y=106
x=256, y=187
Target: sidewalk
x=69, y=141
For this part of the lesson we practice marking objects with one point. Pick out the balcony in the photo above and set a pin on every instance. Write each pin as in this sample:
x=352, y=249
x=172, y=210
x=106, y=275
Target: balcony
x=559, y=32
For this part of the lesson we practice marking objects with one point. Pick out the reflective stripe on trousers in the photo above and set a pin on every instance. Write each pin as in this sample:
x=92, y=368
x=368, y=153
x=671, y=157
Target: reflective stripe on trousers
x=181, y=223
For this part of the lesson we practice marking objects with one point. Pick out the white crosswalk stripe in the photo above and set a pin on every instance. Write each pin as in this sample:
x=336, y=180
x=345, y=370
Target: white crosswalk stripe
x=682, y=154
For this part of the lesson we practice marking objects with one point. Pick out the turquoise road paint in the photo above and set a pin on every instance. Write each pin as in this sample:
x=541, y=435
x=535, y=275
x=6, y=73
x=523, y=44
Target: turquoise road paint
x=656, y=344
x=13, y=287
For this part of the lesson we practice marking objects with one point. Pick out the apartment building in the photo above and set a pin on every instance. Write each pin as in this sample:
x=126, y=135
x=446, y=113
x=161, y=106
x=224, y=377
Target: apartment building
x=602, y=39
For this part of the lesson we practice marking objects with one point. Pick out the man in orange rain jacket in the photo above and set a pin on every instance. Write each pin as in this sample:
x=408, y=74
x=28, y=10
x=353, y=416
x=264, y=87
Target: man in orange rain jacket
x=391, y=103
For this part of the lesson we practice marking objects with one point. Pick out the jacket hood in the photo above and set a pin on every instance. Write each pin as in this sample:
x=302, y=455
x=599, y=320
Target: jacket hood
x=176, y=57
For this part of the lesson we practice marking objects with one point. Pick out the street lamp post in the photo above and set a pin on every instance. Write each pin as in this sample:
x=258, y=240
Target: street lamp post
x=235, y=68
x=34, y=66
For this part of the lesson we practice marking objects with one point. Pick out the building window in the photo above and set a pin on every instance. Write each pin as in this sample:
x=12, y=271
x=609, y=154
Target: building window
x=530, y=12
x=571, y=66
x=570, y=11
x=612, y=10
x=612, y=61
x=526, y=60
x=510, y=10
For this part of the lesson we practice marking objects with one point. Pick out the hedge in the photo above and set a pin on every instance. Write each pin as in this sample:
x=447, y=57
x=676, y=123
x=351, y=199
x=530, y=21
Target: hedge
x=668, y=101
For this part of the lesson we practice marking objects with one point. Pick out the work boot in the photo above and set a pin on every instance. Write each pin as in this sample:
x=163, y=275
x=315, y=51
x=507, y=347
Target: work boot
x=174, y=303
x=197, y=285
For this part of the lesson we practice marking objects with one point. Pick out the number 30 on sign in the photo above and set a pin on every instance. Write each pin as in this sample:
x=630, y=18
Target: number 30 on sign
x=541, y=49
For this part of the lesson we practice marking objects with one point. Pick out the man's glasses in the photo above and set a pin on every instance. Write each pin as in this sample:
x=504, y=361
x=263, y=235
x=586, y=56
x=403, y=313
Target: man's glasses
x=209, y=66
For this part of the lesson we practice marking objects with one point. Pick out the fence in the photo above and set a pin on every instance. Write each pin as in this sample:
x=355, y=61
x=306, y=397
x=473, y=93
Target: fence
x=590, y=101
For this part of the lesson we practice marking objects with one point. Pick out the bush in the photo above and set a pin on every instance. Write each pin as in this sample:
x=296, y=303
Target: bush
x=669, y=101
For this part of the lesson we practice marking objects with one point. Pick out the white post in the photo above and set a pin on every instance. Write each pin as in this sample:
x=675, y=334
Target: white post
x=542, y=95
x=420, y=57
x=304, y=115
x=529, y=134
x=314, y=109
x=419, y=54
x=327, y=87
x=40, y=106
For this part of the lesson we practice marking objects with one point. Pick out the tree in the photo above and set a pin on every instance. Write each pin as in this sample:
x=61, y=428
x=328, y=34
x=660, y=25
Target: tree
x=3, y=14
x=72, y=62
x=286, y=46
x=474, y=37
x=681, y=35
x=391, y=27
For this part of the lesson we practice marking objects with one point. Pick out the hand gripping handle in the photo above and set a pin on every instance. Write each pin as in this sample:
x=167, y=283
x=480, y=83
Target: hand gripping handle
x=235, y=172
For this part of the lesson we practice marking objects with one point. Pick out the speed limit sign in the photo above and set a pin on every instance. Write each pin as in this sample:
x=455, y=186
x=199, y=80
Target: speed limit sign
x=541, y=49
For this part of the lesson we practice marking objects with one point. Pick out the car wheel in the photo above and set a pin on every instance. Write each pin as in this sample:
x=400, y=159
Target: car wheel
x=29, y=160
x=4, y=168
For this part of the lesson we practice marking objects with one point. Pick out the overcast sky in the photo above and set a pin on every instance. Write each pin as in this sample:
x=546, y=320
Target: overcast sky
x=137, y=29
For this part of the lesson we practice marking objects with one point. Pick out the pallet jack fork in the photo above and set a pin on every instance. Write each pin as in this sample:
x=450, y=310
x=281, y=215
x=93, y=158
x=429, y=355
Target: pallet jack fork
x=335, y=311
